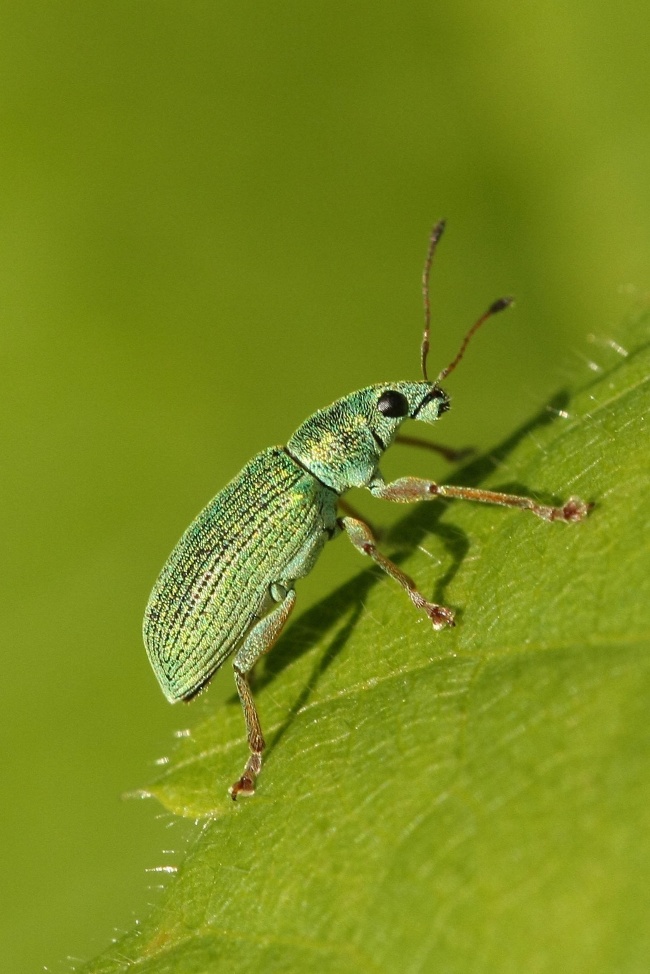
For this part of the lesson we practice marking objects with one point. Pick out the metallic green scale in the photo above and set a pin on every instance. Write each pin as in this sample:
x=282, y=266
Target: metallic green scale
x=266, y=526
x=228, y=585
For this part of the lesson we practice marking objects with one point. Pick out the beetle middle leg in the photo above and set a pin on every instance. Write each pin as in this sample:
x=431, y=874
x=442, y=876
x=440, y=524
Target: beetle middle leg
x=362, y=538
x=259, y=641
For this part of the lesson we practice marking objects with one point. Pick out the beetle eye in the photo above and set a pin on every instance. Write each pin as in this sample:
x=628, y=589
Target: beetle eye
x=393, y=404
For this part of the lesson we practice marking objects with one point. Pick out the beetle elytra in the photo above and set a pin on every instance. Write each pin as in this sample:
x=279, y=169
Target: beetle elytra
x=228, y=585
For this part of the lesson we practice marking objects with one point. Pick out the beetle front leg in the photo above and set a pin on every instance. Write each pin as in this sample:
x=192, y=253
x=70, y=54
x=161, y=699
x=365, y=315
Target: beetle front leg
x=407, y=490
x=259, y=641
x=362, y=538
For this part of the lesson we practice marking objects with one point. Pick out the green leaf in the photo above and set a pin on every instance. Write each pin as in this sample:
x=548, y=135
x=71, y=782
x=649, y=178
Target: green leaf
x=470, y=800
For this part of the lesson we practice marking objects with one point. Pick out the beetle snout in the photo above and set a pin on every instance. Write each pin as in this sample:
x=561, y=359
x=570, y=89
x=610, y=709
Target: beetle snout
x=435, y=403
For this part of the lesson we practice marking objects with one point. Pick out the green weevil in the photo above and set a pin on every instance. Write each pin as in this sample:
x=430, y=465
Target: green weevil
x=228, y=585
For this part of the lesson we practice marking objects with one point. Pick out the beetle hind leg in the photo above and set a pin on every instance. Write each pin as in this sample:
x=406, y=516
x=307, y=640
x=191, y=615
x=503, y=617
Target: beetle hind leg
x=259, y=641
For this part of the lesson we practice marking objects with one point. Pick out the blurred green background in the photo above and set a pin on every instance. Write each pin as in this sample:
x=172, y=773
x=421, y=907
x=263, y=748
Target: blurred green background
x=214, y=217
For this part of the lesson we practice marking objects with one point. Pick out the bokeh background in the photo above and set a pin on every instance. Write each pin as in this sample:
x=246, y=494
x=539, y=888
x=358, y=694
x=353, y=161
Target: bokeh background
x=213, y=220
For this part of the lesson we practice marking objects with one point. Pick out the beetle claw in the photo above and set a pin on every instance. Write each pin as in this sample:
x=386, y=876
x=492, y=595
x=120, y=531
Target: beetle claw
x=575, y=509
x=245, y=787
x=246, y=784
x=440, y=616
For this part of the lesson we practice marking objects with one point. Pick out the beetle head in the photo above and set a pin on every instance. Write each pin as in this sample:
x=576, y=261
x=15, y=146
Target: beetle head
x=342, y=444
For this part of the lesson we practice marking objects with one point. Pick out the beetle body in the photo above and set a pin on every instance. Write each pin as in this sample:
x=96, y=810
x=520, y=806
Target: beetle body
x=265, y=529
x=228, y=585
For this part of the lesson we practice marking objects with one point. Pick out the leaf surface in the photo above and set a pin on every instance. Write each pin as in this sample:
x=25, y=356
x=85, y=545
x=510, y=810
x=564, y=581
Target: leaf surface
x=471, y=800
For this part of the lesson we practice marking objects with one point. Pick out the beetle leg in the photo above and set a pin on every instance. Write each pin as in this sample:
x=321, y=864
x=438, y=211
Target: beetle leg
x=259, y=641
x=351, y=511
x=448, y=452
x=406, y=490
x=362, y=538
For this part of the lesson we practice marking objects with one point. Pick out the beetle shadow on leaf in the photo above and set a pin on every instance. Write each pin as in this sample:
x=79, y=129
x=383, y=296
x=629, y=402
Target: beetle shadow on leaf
x=347, y=601
x=425, y=519
x=307, y=631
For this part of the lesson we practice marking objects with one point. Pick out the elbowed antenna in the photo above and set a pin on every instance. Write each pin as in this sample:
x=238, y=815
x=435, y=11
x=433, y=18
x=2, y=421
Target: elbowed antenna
x=436, y=234
x=500, y=305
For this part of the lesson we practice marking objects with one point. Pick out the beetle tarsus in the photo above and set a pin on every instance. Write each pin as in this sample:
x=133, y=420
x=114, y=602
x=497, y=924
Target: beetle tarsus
x=575, y=509
x=440, y=616
x=245, y=787
x=246, y=784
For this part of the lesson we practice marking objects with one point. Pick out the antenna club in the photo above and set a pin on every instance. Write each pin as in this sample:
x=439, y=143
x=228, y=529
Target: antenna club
x=500, y=305
x=495, y=307
x=438, y=231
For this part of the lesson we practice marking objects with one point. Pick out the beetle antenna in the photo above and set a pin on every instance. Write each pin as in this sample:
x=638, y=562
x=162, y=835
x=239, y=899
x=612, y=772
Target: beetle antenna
x=499, y=305
x=436, y=234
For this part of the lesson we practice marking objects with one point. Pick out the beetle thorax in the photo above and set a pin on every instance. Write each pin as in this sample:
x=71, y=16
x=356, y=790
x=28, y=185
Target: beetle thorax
x=337, y=446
